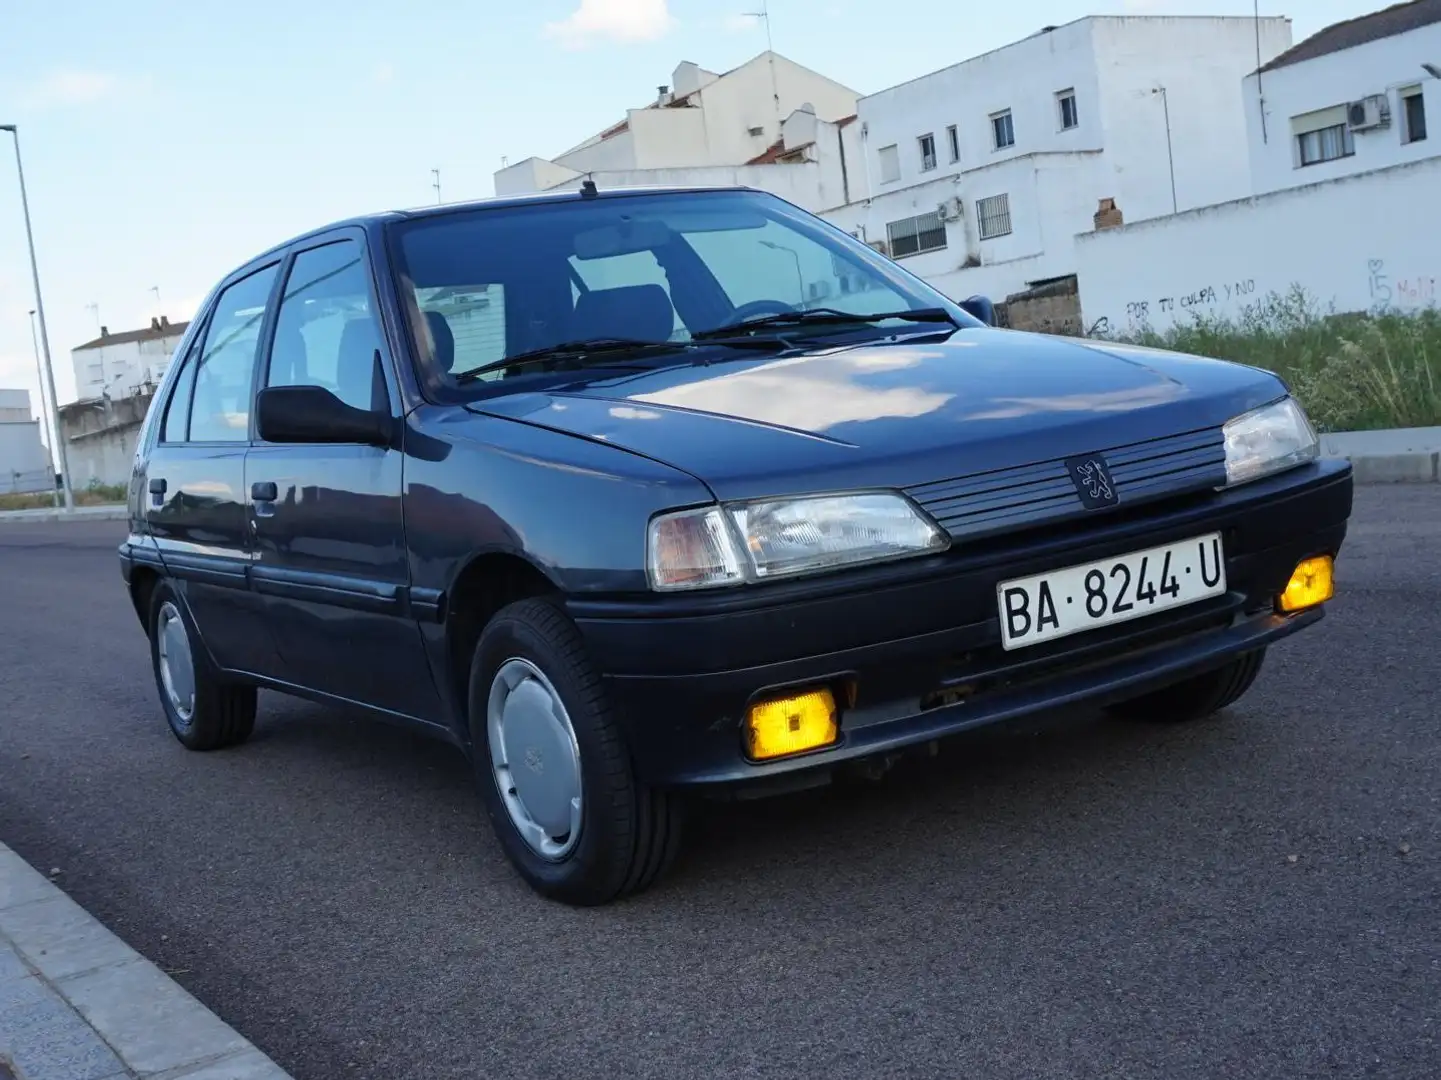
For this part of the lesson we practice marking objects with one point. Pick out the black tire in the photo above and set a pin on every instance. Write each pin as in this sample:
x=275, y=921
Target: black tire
x=1197, y=697
x=629, y=833
x=223, y=713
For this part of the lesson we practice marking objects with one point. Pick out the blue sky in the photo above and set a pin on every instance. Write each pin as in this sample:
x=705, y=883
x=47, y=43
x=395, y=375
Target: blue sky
x=167, y=140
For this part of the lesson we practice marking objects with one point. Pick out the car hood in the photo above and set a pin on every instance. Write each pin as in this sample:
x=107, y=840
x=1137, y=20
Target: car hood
x=894, y=414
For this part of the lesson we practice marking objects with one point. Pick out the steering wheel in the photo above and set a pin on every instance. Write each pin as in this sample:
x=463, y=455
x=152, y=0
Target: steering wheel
x=754, y=309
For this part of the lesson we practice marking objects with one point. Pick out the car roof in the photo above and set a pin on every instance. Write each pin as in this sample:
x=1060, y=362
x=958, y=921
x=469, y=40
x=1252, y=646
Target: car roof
x=495, y=202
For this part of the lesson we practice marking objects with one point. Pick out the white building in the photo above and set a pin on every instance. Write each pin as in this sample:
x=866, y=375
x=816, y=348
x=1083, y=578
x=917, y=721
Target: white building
x=768, y=123
x=1353, y=98
x=24, y=461
x=983, y=173
x=120, y=365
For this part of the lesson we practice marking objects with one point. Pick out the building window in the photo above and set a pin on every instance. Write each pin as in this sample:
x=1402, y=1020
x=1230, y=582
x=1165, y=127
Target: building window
x=1066, y=103
x=954, y=138
x=1325, y=144
x=928, y=152
x=1003, y=130
x=890, y=164
x=916, y=235
x=1413, y=108
x=994, y=216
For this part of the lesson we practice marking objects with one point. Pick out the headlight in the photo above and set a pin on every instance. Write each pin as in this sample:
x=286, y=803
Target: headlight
x=698, y=549
x=1267, y=441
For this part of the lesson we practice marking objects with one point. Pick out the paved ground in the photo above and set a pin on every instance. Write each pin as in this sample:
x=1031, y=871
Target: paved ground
x=1258, y=896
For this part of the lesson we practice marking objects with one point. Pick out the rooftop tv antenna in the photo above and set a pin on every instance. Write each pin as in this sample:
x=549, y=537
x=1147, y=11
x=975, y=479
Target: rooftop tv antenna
x=436, y=183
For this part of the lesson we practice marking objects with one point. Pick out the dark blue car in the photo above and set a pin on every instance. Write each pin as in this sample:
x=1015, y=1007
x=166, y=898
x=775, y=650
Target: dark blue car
x=638, y=496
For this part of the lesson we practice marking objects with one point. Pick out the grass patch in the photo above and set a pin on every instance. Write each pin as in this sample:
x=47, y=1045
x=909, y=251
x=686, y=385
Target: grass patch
x=91, y=495
x=1352, y=372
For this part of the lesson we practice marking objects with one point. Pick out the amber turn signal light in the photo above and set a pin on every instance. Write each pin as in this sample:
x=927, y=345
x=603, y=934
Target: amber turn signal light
x=1312, y=583
x=793, y=724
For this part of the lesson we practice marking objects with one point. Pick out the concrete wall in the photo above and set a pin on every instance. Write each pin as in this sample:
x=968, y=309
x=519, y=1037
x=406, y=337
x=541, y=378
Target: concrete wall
x=1389, y=66
x=101, y=438
x=24, y=461
x=1358, y=243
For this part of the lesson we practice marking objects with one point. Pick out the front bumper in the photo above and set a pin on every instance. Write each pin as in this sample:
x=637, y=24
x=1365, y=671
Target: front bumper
x=917, y=644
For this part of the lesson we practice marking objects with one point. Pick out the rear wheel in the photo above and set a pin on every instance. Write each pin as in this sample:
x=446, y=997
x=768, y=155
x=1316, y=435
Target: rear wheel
x=1197, y=697
x=204, y=712
x=552, y=767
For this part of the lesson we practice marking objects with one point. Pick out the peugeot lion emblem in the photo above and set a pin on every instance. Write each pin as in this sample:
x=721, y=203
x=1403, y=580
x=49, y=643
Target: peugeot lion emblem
x=1093, y=481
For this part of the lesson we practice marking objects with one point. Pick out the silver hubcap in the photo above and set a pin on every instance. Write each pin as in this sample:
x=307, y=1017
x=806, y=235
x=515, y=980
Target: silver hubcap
x=177, y=671
x=534, y=756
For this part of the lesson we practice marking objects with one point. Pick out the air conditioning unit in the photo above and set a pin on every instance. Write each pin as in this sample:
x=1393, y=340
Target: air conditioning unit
x=879, y=245
x=1369, y=113
x=949, y=209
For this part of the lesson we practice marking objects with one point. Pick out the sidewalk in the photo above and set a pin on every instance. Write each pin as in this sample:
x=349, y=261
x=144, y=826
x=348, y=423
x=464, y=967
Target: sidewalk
x=77, y=1003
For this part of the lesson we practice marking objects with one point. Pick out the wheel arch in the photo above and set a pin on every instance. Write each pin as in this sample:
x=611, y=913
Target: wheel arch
x=485, y=583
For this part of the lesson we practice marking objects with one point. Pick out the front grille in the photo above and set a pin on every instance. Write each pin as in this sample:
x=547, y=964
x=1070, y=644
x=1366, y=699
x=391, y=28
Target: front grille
x=1027, y=496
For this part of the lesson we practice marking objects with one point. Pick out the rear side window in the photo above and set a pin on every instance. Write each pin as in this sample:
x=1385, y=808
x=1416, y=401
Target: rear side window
x=177, y=413
x=220, y=399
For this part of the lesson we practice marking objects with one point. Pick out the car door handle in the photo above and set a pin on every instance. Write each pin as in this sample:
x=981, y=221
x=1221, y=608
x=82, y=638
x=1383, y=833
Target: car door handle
x=264, y=491
x=157, y=486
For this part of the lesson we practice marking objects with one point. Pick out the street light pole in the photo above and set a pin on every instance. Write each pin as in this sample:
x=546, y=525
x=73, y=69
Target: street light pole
x=44, y=411
x=59, y=435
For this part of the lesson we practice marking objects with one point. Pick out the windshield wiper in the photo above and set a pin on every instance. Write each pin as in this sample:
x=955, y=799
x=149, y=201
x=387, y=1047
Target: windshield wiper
x=599, y=349
x=827, y=317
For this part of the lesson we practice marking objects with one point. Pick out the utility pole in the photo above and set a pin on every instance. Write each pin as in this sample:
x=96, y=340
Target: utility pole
x=44, y=410
x=44, y=334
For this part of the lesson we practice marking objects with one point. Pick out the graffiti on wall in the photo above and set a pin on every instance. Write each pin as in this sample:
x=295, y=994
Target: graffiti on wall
x=1204, y=298
x=1402, y=292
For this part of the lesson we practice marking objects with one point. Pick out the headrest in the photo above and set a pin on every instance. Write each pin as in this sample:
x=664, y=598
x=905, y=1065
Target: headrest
x=633, y=311
x=443, y=340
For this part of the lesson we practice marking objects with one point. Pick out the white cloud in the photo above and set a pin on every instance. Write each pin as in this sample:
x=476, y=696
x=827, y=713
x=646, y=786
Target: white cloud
x=741, y=24
x=73, y=88
x=383, y=74
x=612, y=20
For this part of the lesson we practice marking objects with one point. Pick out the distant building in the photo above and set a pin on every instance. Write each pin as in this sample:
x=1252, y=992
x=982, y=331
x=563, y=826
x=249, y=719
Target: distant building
x=101, y=435
x=768, y=123
x=123, y=364
x=24, y=460
x=1351, y=99
x=983, y=173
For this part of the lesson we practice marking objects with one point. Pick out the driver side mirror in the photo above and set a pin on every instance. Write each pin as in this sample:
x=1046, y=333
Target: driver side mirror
x=312, y=414
x=981, y=307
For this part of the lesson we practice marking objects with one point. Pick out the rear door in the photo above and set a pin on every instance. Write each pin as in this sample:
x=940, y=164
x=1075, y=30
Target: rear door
x=326, y=518
x=194, y=483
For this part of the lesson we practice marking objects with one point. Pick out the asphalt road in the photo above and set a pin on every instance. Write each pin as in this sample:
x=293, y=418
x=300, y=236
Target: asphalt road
x=1259, y=895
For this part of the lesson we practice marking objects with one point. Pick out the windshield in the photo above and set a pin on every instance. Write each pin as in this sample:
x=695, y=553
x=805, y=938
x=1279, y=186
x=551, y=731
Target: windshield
x=492, y=283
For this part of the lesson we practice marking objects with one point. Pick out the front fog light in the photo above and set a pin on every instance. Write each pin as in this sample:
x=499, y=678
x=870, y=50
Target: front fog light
x=792, y=724
x=1312, y=583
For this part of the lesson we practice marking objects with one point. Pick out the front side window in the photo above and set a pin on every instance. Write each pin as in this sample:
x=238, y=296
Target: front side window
x=326, y=332
x=653, y=268
x=220, y=405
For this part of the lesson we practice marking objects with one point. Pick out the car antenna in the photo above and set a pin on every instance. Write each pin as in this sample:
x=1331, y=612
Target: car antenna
x=588, y=189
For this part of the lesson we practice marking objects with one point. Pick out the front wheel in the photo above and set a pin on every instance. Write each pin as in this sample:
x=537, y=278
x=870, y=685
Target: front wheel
x=1197, y=697
x=552, y=767
x=204, y=712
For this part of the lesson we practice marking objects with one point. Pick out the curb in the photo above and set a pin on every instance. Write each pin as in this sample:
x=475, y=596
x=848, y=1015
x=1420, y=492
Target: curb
x=80, y=513
x=1407, y=468
x=77, y=1003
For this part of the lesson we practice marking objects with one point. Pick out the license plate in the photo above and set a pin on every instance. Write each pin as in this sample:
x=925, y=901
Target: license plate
x=1109, y=591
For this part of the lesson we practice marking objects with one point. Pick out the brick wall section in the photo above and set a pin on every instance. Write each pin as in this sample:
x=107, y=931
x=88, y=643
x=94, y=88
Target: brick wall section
x=1052, y=308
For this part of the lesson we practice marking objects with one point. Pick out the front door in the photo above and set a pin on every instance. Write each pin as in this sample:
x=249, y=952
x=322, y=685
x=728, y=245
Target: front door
x=326, y=519
x=194, y=485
